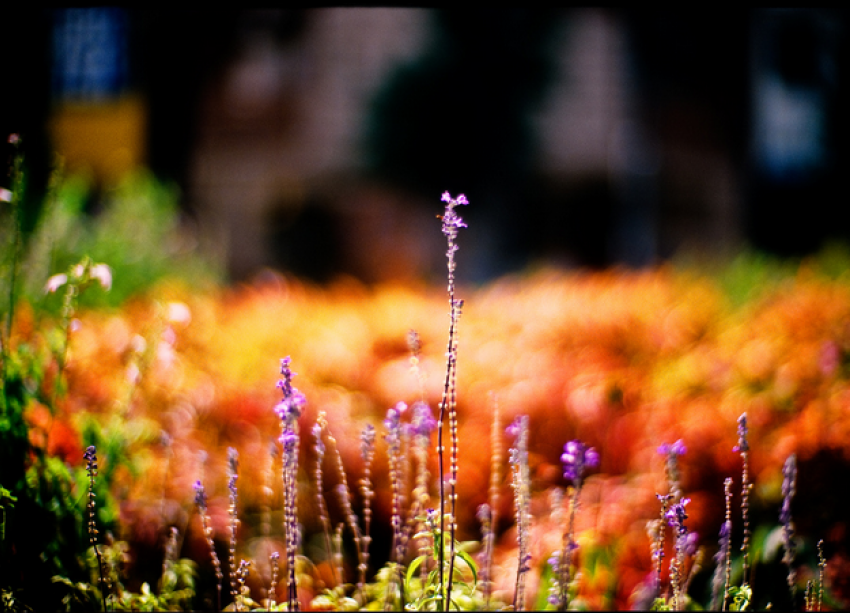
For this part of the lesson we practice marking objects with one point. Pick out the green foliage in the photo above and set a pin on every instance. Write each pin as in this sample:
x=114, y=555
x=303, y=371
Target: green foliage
x=137, y=231
x=740, y=597
x=177, y=585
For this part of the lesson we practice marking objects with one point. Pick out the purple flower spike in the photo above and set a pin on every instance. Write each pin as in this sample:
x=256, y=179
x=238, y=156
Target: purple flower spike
x=422, y=423
x=743, y=433
x=691, y=543
x=678, y=448
x=289, y=407
x=677, y=515
x=200, y=495
x=578, y=457
x=367, y=441
x=513, y=428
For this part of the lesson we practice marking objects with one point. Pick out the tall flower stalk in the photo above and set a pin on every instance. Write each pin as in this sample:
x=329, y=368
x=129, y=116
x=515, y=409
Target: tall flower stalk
x=821, y=573
x=344, y=494
x=452, y=222
x=319, y=448
x=233, y=476
x=490, y=513
x=676, y=517
x=78, y=277
x=289, y=410
x=743, y=447
x=393, y=437
x=789, y=488
x=723, y=560
x=672, y=453
x=91, y=469
x=367, y=454
x=201, y=503
x=576, y=459
x=521, y=484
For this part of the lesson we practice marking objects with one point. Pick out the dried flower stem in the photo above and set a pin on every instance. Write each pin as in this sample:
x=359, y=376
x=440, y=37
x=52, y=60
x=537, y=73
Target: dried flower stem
x=723, y=570
x=367, y=450
x=821, y=573
x=338, y=550
x=274, y=560
x=319, y=447
x=495, y=479
x=91, y=468
x=345, y=500
x=522, y=498
x=241, y=577
x=744, y=448
x=233, y=476
x=201, y=503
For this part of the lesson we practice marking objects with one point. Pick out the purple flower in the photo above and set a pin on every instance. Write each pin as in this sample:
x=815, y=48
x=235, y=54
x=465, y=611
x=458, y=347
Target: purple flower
x=718, y=580
x=232, y=469
x=514, y=428
x=91, y=460
x=393, y=425
x=451, y=220
x=367, y=442
x=483, y=513
x=200, y=495
x=789, y=487
x=578, y=457
x=422, y=423
x=743, y=432
x=289, y=408
x=678, y=448
x=691, y=543
x=676, y=515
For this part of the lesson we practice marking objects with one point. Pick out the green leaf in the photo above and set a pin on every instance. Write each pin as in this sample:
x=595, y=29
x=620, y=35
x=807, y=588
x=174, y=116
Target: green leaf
x=411, y=572
x=470, y=563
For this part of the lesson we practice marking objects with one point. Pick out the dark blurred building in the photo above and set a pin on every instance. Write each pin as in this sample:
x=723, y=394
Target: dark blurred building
x=320, y=140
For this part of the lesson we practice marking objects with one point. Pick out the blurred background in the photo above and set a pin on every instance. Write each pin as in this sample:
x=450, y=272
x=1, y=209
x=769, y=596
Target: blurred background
x=318, y=141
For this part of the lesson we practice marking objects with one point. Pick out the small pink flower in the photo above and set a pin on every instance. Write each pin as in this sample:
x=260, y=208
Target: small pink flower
x=55, y=282
x=5, y=195
x=102, y=273
x=179, y=313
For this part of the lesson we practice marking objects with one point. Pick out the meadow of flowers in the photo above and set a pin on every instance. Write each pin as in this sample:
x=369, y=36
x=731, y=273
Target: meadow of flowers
x=664, y=438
